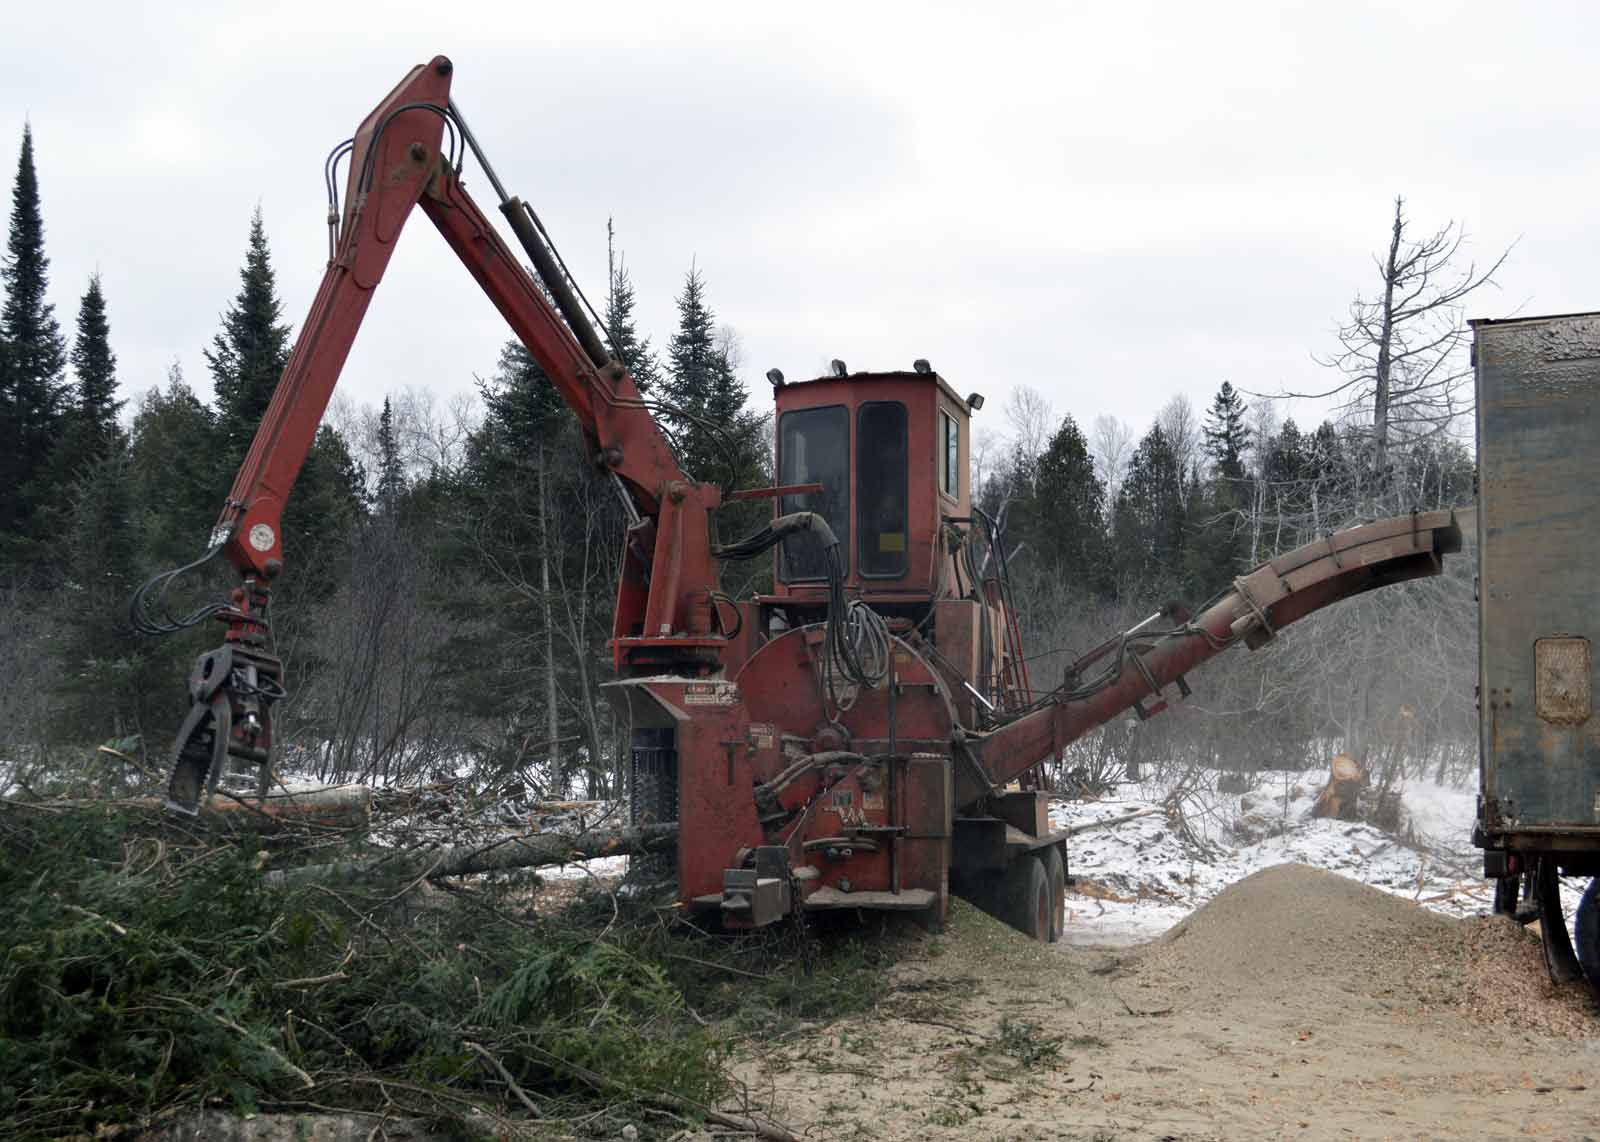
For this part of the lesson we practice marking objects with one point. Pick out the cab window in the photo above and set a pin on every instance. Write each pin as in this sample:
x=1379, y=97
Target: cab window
x=881, y=490
x=814, y=448
x=949, y=455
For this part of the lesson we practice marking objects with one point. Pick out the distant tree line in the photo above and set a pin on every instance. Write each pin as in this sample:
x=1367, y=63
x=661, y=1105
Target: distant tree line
x=451, y=570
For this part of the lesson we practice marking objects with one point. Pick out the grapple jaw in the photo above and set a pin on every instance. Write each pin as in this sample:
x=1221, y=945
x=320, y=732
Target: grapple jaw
x=231, y=693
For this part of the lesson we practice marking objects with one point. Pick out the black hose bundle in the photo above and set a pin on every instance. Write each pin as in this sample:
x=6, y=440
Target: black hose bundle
x=856, y=638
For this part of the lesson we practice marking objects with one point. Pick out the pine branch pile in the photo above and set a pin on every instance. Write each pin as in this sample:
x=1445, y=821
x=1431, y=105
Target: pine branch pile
x=149, y=971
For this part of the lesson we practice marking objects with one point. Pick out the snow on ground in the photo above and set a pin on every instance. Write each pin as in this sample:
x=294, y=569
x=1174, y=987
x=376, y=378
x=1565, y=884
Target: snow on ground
x=1139, y=877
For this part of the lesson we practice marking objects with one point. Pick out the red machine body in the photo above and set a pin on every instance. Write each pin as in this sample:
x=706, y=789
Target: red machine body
x=849, y=743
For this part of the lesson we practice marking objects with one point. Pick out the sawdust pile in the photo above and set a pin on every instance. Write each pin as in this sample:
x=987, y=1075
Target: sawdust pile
x=1292, y=930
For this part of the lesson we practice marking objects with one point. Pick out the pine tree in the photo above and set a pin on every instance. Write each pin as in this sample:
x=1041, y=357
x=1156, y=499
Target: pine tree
x=1064, y=520
x=32, y=390
x=1226, y=435
x=178, y=487
x=1147, y=528
x=636, y=352
x=95, y=367
x=717, y=439
x=391, y=473
x=248, y=356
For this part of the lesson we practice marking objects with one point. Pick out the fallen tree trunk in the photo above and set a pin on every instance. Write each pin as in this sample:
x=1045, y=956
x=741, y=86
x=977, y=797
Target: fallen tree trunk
x=528, y=851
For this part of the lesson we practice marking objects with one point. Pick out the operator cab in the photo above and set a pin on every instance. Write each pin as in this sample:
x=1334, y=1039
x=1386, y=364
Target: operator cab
x=890, y=451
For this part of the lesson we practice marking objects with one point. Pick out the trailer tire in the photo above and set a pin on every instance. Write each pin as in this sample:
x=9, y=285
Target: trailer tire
x=1587, y=932
x=1055, y=868
x=1027, y=898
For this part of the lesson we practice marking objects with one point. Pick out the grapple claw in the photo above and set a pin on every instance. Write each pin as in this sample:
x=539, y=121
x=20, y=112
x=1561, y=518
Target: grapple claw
x=231, y=691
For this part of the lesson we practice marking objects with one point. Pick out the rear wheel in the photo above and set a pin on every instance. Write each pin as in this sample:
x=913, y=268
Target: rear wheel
x=1055, y=868
x=1027, y=898
x=1558, y=954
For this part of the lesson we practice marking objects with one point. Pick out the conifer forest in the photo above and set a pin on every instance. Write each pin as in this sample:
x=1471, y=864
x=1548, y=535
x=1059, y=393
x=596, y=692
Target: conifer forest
x=454, y=561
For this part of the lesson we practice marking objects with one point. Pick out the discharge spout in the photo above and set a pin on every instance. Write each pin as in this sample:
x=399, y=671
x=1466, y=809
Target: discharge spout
x=1144, y=663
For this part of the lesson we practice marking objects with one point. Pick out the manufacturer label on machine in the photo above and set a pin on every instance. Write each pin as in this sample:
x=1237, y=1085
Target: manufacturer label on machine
x=763, y=735
x=710, y=694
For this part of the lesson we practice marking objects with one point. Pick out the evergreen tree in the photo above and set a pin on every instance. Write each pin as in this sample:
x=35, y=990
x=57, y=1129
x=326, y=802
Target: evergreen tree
x=521, y=407
x=32, y=391
x=95, y=367
x=1147, y=527
x=1226, y=435
x=391, y=473
x=248, y=356
x=90, y=433
x=636, y=352
x=178, y=488
x=1064, y=519
x=104, y=688
x=717, y=438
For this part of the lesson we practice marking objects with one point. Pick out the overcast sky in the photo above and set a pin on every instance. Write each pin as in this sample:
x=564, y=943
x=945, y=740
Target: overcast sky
x=1109, y=202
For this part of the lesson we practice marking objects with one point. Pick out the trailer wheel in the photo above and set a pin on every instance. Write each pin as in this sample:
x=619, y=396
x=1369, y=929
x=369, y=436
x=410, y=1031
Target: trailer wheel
x=1554, y=937
x=1027, y=898
x=1587, y=932
x=1055, y=868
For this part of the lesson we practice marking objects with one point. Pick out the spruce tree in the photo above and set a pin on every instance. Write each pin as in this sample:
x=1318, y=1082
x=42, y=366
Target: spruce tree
x=636, y=352
x=90, y=433
x=1064, y=519
x=717, y=439
x=391, y=473
x=692, y=357
x=1226, y=435
x=1147, y=529
x=95, y=367
x=178, y=488
x=32, y=391
x=248, y=356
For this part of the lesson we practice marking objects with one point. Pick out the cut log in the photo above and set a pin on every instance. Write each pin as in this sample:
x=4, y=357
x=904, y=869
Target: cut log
x=528, y=851
x=1339, y=796
x=329, y=807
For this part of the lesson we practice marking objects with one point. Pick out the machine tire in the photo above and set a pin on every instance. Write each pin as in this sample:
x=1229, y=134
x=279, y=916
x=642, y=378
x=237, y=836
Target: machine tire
x=1027, y=898
x=1055, y=867
x=1587, y=933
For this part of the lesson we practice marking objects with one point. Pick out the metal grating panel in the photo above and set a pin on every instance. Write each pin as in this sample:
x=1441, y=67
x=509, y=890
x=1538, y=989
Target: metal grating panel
x=1561, y=679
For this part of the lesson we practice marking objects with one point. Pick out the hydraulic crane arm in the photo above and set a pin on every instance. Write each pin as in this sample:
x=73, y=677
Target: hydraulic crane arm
x=398, y=160
x=1148, y=660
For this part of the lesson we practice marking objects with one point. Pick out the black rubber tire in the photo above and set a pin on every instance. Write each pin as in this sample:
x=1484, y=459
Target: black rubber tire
x=1555, y=940
x=1027, y=898
x=1586, y=932
x=1055, y=869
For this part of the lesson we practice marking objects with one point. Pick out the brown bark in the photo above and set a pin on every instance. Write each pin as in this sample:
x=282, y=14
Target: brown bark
x=529, y=851
x=1338, y=796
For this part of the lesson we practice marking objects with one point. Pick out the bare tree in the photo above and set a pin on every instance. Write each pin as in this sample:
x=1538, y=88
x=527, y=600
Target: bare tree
x=1031, y=419
x=1401, y=348
x=1182, y=430
x=1112, y=443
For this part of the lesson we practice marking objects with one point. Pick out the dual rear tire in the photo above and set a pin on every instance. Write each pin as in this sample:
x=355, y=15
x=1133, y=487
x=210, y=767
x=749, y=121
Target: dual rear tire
x=1034, y=897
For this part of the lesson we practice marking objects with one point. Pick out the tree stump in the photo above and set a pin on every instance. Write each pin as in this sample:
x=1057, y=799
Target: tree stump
x=1339, y=796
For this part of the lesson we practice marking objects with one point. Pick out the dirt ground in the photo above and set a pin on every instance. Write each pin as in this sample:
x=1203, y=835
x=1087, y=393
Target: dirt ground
x=1297, y=1004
